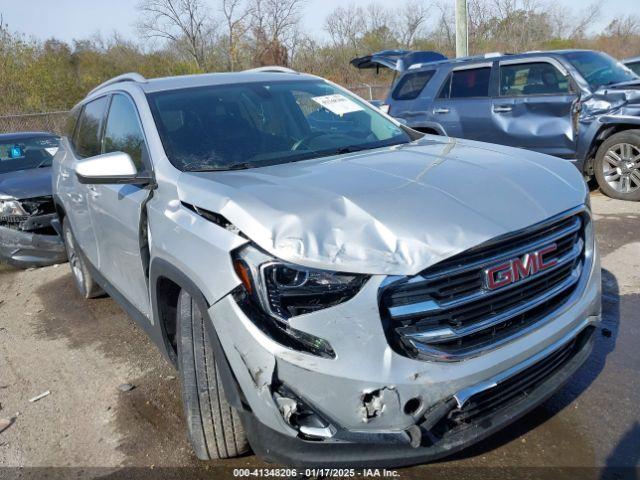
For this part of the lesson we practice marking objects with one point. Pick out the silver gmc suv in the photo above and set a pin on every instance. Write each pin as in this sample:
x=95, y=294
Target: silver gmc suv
x=334, y=287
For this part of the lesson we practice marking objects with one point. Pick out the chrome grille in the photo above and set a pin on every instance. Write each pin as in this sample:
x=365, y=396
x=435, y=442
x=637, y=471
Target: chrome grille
x=447, y=312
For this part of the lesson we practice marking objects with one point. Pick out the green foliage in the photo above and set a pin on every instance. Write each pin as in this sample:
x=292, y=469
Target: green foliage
x=53, y=75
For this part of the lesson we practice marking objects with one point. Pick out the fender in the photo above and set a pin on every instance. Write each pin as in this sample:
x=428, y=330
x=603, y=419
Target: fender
x=619, y=119
x=160, y=268
x=598, y=130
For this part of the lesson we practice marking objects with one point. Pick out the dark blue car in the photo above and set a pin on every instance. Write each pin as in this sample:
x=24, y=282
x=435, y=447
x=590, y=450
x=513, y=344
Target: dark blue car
x=579, y=105
x=27, y=213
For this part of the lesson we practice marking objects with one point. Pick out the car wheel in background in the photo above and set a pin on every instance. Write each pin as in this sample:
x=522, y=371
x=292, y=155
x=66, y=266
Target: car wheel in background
x=617, y=166
x=214, y=426
x=85, y=283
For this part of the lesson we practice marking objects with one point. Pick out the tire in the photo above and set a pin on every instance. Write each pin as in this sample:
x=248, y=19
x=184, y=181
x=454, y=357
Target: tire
x=85, y=283
x=617, y=166
x=214, y=427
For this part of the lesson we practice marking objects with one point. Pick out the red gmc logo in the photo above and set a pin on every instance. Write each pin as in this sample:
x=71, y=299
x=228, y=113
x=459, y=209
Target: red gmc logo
x=514, y=270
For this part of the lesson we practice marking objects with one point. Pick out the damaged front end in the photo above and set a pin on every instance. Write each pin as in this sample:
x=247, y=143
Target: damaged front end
x=322, y=383
x=27, y=234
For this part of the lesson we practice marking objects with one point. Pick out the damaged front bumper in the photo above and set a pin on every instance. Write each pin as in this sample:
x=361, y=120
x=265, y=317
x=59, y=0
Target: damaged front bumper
x=370, y=406
x=25, y=249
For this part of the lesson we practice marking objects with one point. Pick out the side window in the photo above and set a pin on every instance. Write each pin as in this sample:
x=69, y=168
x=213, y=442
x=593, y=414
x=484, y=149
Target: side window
x=473, y=82
x=71, y=122
x=411, y=84
x=540, y=78
x=87, y=140
x=123, y=132
x=446, y=88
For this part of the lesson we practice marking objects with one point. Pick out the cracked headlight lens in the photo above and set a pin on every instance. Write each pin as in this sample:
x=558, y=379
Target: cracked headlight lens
x=284, y=290
x=11, y=208
x=274, y=291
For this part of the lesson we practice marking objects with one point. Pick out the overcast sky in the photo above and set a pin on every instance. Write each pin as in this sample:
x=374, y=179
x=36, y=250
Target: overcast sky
x=76, y=19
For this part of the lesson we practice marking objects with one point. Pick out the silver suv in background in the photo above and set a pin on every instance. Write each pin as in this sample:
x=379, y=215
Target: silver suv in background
x=334, y=287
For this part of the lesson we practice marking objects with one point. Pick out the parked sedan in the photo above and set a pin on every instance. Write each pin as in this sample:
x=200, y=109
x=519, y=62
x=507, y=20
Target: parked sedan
x=27, y=213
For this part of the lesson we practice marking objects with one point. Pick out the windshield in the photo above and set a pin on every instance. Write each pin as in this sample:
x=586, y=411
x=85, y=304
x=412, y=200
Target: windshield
x=599, y=69
x=255, y=124
x=23, y=153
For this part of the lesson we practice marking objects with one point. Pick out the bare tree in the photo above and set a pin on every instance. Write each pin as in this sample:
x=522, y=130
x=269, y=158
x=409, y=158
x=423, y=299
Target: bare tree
x=275, y=24
x=411, y=19
x=445, y=34
x=236, y=16
x=572, y=24
x=345, y=26
x=184, y=23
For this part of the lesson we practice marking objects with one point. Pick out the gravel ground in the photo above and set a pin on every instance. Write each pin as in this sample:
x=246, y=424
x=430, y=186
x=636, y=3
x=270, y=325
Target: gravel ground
x=81, y=351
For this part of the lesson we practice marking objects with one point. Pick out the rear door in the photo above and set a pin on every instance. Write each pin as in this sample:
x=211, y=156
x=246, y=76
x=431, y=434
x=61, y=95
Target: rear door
x=463, y=103
x=85, y=143
x=117, y=210
x=535, y=107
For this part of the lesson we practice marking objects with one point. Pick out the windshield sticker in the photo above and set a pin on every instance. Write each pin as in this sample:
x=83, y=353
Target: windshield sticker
x=16, y=152
x=51, y=150
x=338, y=104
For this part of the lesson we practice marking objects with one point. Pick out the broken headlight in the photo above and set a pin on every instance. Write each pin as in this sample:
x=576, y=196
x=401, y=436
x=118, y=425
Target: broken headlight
x=282, y=290
x=11, y=208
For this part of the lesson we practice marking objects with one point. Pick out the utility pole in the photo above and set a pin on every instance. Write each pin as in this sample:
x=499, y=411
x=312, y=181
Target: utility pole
x=462, y=31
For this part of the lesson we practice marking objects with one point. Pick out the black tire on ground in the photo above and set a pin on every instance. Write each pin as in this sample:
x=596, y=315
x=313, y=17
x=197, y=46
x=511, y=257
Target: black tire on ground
x=214, y=427
x=603, y=163
x=82, y=278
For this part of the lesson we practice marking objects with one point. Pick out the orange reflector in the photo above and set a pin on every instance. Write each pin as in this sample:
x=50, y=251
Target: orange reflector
x=243, y=272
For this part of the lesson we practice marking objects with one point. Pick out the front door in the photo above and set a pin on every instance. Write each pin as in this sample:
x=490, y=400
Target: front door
x=535, y=108
x=117, y=209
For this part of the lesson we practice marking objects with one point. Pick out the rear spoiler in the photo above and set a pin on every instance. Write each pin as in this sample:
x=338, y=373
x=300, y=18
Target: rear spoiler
x=398, y=60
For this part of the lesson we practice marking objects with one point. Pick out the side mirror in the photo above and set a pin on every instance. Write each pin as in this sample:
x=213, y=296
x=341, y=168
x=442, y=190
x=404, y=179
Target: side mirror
x=110, y=168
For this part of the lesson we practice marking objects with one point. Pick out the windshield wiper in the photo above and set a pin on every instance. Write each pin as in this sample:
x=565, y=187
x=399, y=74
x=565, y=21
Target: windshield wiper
x=351, y=149
x=222, y=168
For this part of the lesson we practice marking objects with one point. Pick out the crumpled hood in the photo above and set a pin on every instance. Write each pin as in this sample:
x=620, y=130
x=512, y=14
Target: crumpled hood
x=625, y=95
x=396, y=210
x=35, y=182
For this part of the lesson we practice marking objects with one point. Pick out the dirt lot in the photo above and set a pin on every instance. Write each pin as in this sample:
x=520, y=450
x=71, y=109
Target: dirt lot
x=81, y=351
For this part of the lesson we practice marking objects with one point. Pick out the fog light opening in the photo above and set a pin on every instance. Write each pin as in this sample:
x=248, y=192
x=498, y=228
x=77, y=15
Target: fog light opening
x=413, y=406
x=300, y=416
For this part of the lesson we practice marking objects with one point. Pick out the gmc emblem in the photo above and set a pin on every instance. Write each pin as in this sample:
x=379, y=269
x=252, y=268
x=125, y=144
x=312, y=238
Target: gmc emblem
x=517, y=269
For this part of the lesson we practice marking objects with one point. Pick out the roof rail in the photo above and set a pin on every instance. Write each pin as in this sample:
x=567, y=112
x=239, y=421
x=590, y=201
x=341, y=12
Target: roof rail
x=125, y=77
x=272, y=69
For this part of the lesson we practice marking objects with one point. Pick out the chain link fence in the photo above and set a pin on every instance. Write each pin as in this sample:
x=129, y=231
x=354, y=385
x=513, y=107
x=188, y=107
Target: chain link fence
x=34, y=122
x=369, y=92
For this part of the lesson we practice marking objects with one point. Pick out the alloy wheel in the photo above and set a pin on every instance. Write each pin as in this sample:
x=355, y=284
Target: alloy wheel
x=621, y=167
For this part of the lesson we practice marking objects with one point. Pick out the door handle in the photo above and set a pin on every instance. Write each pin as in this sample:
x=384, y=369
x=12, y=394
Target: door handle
x=92, y=191
x=502, y=109
x=440, y=110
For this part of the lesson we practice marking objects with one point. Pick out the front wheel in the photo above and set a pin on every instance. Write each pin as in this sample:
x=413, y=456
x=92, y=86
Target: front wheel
x=214, y=426
x=617, y=166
